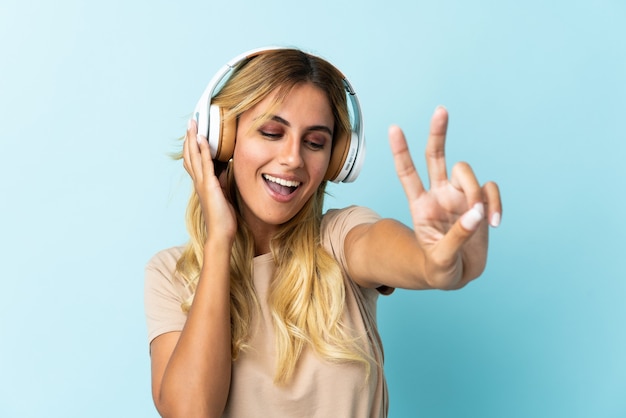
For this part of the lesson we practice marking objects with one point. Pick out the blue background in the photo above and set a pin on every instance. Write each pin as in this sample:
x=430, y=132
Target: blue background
x=93, y=95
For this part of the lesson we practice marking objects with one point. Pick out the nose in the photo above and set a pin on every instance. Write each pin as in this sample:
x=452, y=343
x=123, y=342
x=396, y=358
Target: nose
x=291, y=152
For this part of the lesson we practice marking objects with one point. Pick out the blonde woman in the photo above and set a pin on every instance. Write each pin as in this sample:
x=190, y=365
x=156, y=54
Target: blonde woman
x=270, y=309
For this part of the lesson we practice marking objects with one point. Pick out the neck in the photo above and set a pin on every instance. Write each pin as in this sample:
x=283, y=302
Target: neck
x=262, y=235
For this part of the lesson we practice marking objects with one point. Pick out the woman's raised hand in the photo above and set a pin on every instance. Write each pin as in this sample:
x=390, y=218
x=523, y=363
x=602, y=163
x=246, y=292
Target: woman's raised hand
x=219, y=215
x=451, y=219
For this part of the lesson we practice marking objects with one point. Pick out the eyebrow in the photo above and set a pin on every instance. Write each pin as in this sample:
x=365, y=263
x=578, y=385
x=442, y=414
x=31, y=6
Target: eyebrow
x=321, y=128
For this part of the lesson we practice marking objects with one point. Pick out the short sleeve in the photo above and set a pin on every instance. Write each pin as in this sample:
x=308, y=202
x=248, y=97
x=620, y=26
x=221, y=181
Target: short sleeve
x=164, y=294
x=335, y=227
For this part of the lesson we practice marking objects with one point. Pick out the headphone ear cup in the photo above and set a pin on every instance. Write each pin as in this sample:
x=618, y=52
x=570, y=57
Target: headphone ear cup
x=222, y=134
x=229, y=135
x=356, y=156
x=346, y=159
x=338, y=157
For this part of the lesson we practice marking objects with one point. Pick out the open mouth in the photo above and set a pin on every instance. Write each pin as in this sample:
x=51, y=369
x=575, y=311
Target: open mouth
x=281, y=186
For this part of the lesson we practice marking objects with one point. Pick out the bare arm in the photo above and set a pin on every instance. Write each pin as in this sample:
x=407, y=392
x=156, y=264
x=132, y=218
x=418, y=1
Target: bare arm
x=191, y=369
x=447, y=246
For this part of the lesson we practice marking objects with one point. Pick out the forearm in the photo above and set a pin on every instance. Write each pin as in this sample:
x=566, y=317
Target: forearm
x=196, y=380
x=388, y=253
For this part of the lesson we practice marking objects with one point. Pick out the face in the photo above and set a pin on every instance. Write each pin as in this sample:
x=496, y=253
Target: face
x=279, y=164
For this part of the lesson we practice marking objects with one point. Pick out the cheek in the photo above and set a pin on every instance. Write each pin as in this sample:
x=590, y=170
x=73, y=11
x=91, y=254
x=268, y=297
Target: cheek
x=241, y=171
x=239, y=168
x=322, y=167
x=320, y=172
x=245, y=158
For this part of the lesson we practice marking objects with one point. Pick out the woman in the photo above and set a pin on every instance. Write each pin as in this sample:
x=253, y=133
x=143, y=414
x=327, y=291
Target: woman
x=269, y=310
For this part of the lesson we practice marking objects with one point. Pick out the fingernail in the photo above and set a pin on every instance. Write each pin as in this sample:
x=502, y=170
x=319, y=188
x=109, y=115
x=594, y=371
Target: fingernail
x=472, y=218
x=495, y=220
x=189, y=124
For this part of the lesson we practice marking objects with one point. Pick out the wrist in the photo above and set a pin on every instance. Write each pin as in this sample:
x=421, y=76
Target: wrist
x=218, y=245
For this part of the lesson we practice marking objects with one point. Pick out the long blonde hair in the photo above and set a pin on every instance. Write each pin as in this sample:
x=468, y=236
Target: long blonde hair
x=307, y=294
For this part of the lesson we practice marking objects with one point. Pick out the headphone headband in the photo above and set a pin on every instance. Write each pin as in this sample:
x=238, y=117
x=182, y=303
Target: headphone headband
x=347, y=156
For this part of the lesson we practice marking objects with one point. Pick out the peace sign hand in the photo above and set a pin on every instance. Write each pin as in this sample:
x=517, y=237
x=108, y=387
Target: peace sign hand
x=450, y=219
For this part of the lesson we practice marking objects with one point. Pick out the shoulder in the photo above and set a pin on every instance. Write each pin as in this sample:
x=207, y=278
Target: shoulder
x=337, y=223
x=164, y=293
x=160, y=270
x=335, y=220
x=166, y=258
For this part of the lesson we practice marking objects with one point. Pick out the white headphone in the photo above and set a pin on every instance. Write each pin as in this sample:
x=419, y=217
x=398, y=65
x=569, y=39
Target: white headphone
x=348, y=153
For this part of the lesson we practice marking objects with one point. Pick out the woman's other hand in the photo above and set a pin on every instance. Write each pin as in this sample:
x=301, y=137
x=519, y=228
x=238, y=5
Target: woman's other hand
x=451, y=218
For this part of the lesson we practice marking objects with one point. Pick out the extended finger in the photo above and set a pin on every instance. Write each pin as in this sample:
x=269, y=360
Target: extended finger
x=194, y=159
x=494, y=203
x=435, y=147
x=409, y=178
x=208, y=169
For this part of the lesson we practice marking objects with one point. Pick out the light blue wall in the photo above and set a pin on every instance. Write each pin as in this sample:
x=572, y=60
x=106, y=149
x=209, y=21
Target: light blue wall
x=92, y=95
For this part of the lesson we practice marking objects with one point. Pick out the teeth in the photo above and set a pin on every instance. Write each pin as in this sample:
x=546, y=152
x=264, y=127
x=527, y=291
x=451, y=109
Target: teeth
x=282, y=182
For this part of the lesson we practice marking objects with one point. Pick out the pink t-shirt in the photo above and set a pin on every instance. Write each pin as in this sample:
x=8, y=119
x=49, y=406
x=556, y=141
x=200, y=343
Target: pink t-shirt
x=318, y=388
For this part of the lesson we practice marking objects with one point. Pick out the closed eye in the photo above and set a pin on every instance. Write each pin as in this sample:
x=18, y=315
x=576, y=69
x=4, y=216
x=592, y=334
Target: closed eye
x=314, y=145
x=272, y=135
